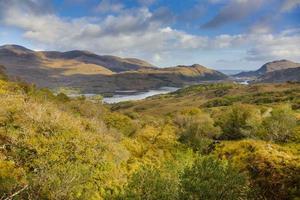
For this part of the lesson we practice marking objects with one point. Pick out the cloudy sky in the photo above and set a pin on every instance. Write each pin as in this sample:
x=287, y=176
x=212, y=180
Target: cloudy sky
x=222, y=34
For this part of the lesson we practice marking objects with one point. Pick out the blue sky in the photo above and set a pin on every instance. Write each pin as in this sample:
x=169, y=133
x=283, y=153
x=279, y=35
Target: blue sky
x=222, y=34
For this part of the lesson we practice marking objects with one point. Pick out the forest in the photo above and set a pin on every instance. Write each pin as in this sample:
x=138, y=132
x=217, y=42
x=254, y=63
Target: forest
x=220, y=141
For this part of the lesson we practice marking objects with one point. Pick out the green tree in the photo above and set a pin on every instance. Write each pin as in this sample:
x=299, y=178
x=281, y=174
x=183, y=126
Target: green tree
x=213, y=179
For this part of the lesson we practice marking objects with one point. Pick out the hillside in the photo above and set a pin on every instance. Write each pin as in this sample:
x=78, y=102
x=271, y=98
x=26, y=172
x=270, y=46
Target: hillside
x=91, y=73
x=269, y=67
x=214, y=95
x=112, y=63
x=193, y=145
x=292, y=74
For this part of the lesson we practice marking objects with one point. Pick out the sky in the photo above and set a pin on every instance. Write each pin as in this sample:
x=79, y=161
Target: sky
x=221, y=34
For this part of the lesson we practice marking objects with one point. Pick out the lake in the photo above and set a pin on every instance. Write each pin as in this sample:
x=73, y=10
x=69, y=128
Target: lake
x=137, y=96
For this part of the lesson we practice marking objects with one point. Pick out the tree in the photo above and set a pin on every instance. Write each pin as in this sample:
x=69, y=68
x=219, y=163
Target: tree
x=213, y=179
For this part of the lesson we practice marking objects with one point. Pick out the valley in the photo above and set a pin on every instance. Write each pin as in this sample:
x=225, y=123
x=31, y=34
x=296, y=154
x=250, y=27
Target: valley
x=149, y=100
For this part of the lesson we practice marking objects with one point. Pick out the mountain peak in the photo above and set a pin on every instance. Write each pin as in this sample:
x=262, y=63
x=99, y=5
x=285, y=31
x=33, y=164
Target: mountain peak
x=277, y=65
x=270, y=67
x=16, y=48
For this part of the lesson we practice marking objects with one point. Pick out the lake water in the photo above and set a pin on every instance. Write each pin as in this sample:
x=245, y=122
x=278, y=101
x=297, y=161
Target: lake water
x=138, y=96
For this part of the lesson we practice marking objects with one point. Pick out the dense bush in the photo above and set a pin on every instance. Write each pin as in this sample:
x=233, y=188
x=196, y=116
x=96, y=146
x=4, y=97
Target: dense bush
x=217, y=102
x=120, y=122
x=210, y=178
x=56, y=147
x=12, y=178
x=280, y=125
x=196, y=129
x=151, y=183
x=57, y=150
x=239, y=121
x=274, y=171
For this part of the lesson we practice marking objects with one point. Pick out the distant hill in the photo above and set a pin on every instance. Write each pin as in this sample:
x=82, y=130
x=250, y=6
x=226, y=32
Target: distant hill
x=92, y=73
x=269, y=67
x=192, y=72
x=284, y=75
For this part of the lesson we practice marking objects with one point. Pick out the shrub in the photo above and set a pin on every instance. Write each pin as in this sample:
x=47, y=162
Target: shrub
x=280, y=125
x=210, y=178
x=196, y=129
x=150, y=183
x=120, y=122
x=12, y=178
x=217, y=102
x=239, y=121
x=62, y=97
x=274, y=170
x=63, y=155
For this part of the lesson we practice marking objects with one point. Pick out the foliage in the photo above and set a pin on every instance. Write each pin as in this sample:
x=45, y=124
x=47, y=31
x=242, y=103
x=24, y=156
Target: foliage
x=150, y=183
x=239, y=121
x=120, y=122
x=59, y=151
x=272, y=169
x=280, y=125
x=204, y=87
x=58, y=147
x=12, y=178
x=210, y=178
x=196, y=129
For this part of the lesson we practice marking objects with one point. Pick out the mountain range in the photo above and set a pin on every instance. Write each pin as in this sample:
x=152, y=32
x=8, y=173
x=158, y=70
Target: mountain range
x=276, y=71
x=92, y=73
x=86, y=72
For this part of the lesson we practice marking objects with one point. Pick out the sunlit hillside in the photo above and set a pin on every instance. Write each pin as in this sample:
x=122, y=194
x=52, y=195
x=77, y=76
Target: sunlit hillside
x=54, y=147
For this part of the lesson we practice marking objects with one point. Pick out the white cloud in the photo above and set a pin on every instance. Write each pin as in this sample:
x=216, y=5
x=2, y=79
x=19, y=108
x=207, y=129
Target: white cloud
x=129, y=32
x=281, y=46
x=141, y=34
x=289, y=5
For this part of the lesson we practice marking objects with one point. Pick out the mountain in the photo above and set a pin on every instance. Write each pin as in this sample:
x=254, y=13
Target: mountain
x=61, y=59
x=284, y=75
x=269, y=67
x=92, y=73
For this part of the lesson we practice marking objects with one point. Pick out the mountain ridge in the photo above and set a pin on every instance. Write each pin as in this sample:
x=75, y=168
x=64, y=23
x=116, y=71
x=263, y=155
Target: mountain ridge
x=92, y=73
x=283, y=75
x=269, y=67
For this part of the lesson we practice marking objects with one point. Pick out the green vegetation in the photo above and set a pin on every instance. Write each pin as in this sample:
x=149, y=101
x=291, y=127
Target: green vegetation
x=210, y=178
x=174, y=146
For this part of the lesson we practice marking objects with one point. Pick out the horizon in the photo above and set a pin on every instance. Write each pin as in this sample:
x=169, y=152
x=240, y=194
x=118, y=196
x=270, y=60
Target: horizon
x=229, y=71
x=223, y=35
